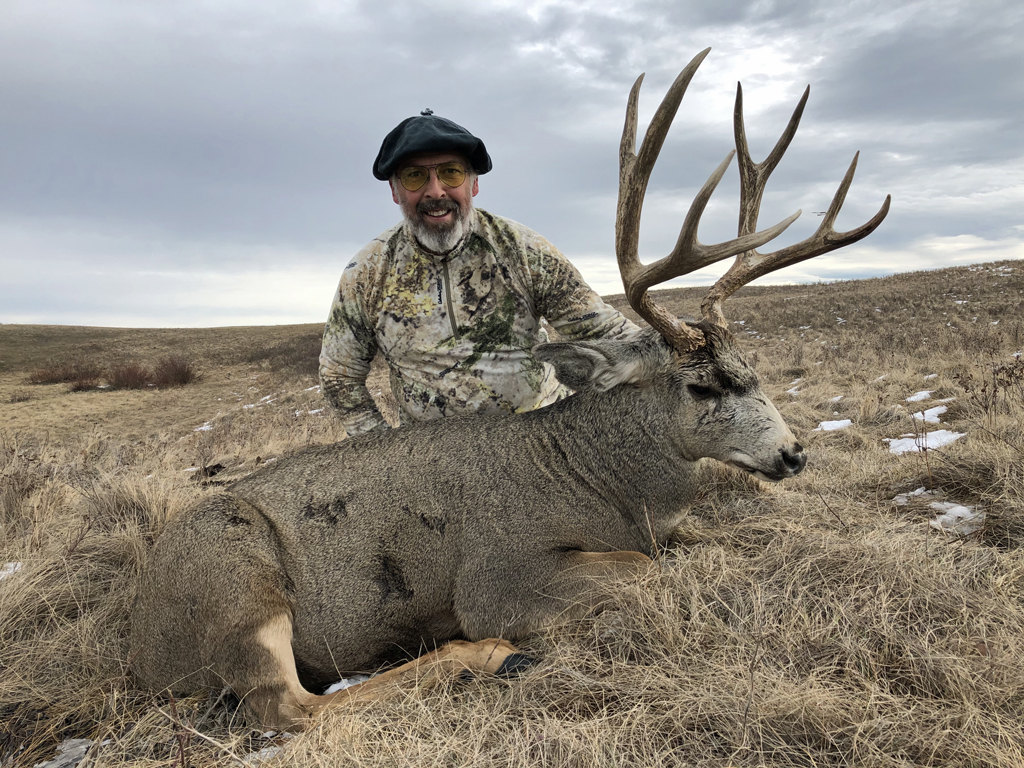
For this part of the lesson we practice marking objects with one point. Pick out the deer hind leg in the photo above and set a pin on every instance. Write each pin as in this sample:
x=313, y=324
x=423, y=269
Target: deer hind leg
x=459, y=657
x=275, y=697
x=268, y=683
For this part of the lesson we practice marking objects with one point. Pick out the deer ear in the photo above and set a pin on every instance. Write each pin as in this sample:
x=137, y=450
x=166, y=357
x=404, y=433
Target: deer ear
x=589, y=365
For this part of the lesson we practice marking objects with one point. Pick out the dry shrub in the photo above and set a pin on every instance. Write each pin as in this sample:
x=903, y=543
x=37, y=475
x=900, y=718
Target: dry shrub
x=65, y=372
x=174, y=371
x=129, y=376
x=995, y=388
x=83, y=384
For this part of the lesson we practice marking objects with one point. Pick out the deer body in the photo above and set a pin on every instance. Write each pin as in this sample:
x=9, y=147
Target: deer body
x=472, y=528
x=345, y=557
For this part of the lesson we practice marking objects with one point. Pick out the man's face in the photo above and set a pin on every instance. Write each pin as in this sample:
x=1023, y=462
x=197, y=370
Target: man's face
x=438, y=215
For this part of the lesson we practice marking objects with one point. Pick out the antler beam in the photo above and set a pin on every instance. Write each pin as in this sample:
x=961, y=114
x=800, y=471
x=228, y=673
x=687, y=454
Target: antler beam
x=689, y=254
x=753, y=178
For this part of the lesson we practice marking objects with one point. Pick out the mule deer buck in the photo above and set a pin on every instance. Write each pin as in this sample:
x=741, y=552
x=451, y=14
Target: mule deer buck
x=464, y=535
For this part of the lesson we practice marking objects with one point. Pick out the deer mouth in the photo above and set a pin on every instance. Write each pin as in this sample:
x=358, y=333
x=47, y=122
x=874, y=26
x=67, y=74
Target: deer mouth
x=772, y=476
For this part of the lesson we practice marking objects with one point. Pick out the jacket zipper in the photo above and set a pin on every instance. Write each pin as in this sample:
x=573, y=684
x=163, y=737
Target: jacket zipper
x=448, y=298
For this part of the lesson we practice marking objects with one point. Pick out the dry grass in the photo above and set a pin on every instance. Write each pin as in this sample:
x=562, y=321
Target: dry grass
x=812, y=623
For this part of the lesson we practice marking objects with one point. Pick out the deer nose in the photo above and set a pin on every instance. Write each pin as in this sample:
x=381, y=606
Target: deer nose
x=793, y=458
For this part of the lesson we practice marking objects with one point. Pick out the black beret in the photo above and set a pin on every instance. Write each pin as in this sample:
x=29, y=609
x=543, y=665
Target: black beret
x=427, y=134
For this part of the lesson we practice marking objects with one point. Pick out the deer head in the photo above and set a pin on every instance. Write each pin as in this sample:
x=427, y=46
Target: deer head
x=711, y=401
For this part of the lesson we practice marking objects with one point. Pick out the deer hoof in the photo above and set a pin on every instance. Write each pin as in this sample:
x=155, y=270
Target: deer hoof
x=515, y=664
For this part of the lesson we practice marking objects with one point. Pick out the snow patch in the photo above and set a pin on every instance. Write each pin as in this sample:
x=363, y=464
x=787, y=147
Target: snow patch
x=270, y=751
x=70, y=753
x=917, y=397
x=835, y=399
x=346, y=682
x=929, y=441
x=931, y=415
x=829, y=426
x=903, y=499
x=957, y=518
x=9, y=569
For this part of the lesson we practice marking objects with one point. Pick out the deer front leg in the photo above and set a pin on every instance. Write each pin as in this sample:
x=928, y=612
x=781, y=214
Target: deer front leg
x=582, y=584
x=564, y=584
x=493, y=656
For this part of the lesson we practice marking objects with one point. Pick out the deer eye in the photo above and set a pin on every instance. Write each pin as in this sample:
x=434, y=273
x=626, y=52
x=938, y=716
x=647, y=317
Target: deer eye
x=699, y=392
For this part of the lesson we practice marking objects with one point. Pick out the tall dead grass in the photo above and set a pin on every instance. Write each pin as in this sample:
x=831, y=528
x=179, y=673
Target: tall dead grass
x=65, y=372
x=169, y=371
x=811, y=623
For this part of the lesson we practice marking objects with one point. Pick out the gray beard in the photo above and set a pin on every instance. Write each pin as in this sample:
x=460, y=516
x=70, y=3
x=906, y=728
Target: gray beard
x=443, y=238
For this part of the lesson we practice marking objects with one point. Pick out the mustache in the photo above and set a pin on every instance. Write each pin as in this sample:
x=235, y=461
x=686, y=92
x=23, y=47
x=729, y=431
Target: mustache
x=424, y=206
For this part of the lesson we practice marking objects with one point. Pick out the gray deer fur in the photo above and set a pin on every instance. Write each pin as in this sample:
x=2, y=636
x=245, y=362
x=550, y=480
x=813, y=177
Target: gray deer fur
x=390, y=542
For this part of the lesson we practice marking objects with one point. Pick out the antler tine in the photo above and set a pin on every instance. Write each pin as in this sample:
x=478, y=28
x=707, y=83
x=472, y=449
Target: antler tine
x=689, y=254
x=753, y=177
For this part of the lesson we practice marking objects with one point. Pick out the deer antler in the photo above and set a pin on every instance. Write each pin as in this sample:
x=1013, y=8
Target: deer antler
x=690, y=254
x=753, y=177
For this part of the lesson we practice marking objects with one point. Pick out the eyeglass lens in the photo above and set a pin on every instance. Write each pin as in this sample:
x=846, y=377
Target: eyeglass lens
x=415, y=176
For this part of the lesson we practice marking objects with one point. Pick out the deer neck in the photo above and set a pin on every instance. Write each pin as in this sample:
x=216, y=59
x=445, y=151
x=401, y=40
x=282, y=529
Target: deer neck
x=618, y=443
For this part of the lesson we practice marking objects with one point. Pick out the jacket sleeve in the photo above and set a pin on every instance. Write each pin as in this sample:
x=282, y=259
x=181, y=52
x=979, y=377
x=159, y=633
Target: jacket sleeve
x=349, y=346
x=565, y=300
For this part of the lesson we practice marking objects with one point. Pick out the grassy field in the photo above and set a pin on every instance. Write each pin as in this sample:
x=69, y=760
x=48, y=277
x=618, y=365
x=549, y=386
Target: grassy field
x=818, y=622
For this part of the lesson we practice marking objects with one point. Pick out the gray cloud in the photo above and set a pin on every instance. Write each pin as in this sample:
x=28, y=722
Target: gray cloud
x=228, y=144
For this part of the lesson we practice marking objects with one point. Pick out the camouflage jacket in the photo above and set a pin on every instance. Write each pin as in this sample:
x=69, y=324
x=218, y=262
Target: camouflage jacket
x=456, y=331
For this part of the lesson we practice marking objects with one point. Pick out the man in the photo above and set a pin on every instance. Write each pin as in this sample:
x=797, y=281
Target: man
x=453, y=296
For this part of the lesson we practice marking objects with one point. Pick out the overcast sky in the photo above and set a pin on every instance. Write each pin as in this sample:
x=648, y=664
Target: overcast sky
x=196, y=163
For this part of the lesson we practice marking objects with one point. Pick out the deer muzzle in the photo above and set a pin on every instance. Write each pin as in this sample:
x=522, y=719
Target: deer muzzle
x=788, y=462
